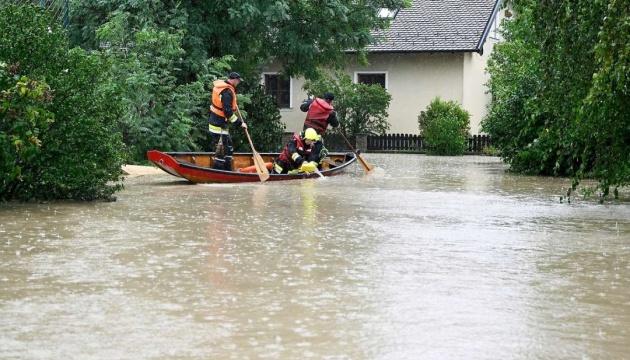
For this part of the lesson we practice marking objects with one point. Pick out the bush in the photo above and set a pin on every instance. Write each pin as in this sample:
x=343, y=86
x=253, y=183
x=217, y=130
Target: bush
x=79, y=155
x=265, y=126
x=23, y=117
x=360, y=108
x=444, y=126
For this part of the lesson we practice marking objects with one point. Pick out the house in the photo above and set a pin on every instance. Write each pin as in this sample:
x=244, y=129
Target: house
x=432, y=48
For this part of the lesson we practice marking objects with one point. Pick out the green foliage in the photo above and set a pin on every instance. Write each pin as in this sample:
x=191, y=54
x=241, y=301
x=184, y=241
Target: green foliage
x=23, y=117
x=360, y=108
x=160, y=111
x=513, y=119
x=162, y=56
x=79, y=155
x=300, y=35
x=444, y=126
x=560, y=90
x=604, y=119
x=265, y=127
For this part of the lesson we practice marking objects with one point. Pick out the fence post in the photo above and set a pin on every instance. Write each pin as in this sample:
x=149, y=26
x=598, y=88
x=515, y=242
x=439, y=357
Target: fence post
x=361, y=142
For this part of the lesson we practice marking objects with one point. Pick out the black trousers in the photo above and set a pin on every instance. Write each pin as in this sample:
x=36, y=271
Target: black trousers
x=222, y=161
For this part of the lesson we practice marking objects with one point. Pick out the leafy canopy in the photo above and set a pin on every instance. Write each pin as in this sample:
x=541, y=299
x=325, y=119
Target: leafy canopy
x=561, y=91
x=302, y=35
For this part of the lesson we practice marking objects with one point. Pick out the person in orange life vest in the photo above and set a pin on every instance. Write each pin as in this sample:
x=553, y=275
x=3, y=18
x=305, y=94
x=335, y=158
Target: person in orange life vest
x=301, y=154
x=222, y=113
x=320, y=113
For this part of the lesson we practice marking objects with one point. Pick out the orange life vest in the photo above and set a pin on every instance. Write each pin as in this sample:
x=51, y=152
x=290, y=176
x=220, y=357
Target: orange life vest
x=317, y=115
x=217, y=105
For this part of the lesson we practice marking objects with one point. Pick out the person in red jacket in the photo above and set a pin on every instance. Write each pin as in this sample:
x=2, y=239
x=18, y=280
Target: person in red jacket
x=223, y=113
x=320, y=113
x=301, y=154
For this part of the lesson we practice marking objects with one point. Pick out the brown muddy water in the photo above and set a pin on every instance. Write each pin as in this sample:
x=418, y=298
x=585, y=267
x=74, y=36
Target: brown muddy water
x=434, y=258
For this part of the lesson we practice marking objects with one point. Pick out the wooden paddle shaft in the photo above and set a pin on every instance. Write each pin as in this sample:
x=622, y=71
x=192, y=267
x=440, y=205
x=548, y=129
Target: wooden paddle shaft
x=366, y=166
x=261, y=168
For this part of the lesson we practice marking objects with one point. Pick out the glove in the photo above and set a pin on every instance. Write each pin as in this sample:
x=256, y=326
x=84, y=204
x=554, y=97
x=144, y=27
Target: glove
x=243, y=125
x=323, y=153
x=297, y=159
x=308, y=167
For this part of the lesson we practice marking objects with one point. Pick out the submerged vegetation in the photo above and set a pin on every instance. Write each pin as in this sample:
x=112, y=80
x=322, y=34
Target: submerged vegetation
x=561, y=89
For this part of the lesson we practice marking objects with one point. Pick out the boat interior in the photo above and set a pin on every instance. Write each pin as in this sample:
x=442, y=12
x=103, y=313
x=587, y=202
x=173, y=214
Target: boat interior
x=242, y=161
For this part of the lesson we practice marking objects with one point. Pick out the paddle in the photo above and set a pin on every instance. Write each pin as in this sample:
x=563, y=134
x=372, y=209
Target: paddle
x=261, y=168
x=366, y=165
x=319, y=173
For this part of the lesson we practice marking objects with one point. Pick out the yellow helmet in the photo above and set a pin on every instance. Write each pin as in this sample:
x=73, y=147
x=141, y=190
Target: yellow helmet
x=311, y=134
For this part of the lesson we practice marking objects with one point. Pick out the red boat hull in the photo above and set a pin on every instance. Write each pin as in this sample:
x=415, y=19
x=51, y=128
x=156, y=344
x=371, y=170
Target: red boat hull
x=196, y=167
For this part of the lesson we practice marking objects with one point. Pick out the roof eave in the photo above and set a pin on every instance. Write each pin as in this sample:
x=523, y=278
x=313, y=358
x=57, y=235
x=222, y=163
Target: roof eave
x=488, y=26
x=416, y=51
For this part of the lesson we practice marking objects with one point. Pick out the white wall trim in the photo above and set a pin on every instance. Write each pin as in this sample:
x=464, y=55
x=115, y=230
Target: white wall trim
x=262, y=82
x=356, y=76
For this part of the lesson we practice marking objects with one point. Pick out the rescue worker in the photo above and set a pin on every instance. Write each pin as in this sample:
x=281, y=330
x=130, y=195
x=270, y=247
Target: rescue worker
x=301, y=154
x=320, y=113
x=222, y=113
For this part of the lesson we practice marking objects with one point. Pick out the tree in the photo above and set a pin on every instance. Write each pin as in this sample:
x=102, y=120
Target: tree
x=160, y=111
x=604, y=118
x=560, y=94
x=262, y=115
x=163, y=54
x=301, y=35
x=72, y=150
x=360, y=108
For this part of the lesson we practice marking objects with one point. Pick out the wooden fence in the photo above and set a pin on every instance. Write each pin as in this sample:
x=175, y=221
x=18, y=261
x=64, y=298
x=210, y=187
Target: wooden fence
x=415, y=143
x=403, y=143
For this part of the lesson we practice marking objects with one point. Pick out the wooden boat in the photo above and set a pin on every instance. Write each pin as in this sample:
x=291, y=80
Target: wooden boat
x=196, y=167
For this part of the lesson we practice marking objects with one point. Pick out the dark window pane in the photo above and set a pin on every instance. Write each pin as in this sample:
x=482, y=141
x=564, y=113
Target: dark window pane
x=279, y=88
x=371, y=79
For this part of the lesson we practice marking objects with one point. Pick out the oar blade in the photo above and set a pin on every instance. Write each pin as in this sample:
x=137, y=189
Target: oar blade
x=366, y=165
x=261, y=167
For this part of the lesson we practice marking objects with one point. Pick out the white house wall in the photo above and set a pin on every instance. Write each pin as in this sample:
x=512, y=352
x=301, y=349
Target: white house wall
x=292, y=117
x=476, y=98
x=413, y=80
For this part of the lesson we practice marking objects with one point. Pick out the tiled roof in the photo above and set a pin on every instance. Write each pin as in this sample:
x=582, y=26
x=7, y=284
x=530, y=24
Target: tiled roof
x=437, y=25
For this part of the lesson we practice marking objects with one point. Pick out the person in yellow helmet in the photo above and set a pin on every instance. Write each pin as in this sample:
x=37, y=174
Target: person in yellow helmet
x=301, y=154
x=223, y=113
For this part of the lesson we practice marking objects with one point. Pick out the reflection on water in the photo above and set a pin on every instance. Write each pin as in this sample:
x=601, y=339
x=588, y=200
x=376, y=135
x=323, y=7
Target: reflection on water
x=427, y=258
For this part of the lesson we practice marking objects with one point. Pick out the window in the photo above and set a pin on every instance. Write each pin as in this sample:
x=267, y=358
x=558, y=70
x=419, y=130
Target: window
x=370, y=78
x=280, y=88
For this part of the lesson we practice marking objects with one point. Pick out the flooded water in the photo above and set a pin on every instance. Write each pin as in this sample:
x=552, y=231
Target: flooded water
x=435, y=258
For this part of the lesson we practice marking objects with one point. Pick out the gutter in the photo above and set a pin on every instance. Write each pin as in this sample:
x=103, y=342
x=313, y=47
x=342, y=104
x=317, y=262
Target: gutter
x=484, y=36
x=415, y=51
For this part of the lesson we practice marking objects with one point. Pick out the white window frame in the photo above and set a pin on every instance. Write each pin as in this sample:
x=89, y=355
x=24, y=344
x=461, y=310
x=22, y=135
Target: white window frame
x=356, y=76
x=262, y=82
